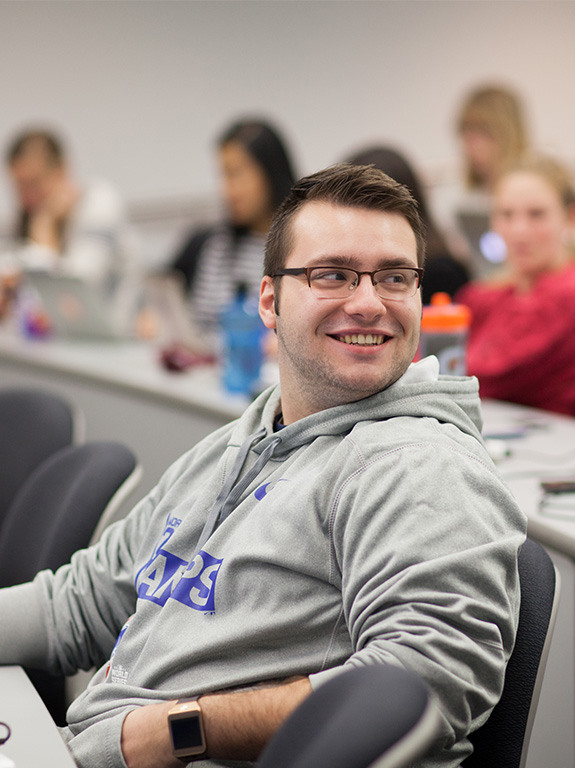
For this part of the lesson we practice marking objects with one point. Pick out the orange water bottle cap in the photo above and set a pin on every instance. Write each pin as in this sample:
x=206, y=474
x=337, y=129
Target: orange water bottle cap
x=441, y=316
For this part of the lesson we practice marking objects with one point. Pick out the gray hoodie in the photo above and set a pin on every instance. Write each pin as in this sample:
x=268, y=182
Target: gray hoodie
x=374, y=532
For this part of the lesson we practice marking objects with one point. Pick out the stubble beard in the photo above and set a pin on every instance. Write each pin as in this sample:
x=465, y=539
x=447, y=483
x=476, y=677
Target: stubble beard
x=320, y=385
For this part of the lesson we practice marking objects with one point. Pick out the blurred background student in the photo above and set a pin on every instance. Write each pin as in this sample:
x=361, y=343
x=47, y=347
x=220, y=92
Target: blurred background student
x=79, y=229
x=443, y=272
x=522, y=337
x=62, y=225
x=256, y=174
x=492, y=133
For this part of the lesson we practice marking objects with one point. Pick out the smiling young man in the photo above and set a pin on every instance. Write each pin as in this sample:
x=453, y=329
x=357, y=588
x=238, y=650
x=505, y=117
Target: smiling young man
x=336, y=349
x=350, y=517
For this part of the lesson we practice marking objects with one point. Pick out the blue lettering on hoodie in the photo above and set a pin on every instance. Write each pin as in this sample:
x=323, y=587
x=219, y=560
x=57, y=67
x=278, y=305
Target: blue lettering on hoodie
x=167, y=576
x=197, y=585
x=263, y=490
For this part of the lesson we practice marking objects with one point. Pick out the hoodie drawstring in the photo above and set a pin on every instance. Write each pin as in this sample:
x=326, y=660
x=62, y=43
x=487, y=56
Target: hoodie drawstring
x=230, y=493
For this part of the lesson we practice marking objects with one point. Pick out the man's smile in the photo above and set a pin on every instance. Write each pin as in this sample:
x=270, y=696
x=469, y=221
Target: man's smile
x=361, y=339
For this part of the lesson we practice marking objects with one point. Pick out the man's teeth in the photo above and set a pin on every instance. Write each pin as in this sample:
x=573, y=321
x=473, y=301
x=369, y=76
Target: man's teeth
x=364, y=339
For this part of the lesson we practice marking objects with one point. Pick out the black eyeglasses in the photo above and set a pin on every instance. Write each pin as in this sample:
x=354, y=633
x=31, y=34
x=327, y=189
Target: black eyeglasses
x=392, y=283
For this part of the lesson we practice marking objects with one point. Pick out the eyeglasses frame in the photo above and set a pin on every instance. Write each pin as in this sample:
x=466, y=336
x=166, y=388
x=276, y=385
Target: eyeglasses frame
x=295, y=271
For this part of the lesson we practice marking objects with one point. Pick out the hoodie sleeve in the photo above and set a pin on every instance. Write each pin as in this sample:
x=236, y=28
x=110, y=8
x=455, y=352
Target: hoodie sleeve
x=429, y=577
x=68, y=620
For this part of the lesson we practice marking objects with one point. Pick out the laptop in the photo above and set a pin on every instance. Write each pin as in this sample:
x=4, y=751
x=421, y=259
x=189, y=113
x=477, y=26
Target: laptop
x=78, y=309
x=487, y=248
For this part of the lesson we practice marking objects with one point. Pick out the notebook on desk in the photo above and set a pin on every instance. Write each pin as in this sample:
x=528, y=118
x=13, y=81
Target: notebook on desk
x=76, y=308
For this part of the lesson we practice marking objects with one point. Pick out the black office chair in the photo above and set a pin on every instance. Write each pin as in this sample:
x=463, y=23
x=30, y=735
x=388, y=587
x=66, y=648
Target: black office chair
x=56, y=513
x=503, y=741
x=34, y=424
x=359, y=718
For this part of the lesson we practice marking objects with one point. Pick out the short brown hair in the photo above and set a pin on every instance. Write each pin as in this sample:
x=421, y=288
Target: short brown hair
x=353, y=186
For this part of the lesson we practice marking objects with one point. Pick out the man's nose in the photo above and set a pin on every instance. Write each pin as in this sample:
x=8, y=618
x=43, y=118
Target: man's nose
x=363, y=299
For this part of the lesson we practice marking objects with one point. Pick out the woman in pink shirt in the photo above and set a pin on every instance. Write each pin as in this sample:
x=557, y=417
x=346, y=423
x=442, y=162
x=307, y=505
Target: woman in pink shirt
x=522, y=338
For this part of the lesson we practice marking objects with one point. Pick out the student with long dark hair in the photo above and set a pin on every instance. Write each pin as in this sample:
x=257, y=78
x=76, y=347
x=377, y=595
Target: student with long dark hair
x=257, y=174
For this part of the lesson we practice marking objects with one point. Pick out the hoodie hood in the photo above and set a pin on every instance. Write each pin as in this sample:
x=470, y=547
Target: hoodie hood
x=448, y=399
x=419, y=393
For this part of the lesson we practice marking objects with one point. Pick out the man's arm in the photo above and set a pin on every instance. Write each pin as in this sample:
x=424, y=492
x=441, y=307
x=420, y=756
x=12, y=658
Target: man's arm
x=237, y=725
x=429, y=560
x=69, y=620
x=23, y=638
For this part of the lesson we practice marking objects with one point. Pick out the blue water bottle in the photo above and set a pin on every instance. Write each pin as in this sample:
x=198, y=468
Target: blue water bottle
x=242, y=335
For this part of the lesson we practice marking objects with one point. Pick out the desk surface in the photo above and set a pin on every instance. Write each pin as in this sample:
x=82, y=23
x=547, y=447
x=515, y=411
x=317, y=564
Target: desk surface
x=128, y=366
x=35, y=739
x=541, y=447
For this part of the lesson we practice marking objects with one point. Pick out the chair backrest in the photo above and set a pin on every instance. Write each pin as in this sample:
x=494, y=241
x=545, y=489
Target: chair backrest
x=58, y=508
x=367, y=716
x=34, y=424
x=503, y=741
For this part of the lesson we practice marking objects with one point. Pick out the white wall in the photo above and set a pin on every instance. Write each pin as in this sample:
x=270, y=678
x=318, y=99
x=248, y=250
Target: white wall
x=140, y=88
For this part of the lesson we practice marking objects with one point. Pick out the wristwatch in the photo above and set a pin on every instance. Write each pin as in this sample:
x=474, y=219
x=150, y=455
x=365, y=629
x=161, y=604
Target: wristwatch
x=187, y=730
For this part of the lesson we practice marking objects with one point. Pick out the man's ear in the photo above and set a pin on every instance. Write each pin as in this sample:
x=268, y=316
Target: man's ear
x=267, y=302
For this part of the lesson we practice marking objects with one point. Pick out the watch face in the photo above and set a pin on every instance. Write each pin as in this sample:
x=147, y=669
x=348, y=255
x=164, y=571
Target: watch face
x=186, y=734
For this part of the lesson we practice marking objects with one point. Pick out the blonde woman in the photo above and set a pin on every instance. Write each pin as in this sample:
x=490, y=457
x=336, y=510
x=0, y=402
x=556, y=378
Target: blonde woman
x=522, y=338
x=492, y=132
x=491, y=127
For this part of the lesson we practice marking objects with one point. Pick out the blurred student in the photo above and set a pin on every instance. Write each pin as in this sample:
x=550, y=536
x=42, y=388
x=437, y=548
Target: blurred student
x=443, y=273
x=257, y=174
x=522, y=337
x=61, y=224
x=492, y=132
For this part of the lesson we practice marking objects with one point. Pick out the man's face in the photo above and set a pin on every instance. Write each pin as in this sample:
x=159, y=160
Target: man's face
x=320, y=365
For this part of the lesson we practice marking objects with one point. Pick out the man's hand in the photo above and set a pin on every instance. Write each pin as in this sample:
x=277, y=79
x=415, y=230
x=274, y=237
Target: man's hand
x=237, y=725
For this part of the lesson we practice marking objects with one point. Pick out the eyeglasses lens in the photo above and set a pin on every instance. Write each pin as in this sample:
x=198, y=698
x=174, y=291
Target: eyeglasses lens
x=393, y=284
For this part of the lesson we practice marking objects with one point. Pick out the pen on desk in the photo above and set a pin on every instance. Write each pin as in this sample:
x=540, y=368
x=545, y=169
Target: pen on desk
x=504, y=435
